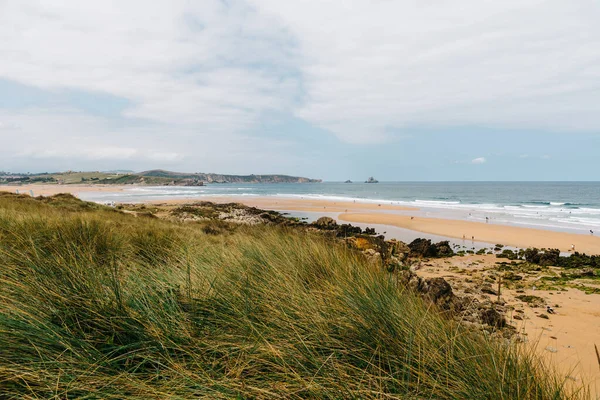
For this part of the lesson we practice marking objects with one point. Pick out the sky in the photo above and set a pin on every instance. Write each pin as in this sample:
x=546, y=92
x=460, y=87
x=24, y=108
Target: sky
x=331, y=89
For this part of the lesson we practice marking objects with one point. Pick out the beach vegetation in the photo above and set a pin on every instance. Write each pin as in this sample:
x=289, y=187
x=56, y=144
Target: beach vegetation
x=98, y=303
x=509, y=254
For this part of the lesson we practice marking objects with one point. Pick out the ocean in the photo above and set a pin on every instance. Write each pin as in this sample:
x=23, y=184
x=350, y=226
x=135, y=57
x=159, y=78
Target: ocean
x=562, y=206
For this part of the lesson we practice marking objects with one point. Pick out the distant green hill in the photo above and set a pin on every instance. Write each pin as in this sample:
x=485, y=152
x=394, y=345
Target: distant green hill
x=157, y=177
x=221, y=178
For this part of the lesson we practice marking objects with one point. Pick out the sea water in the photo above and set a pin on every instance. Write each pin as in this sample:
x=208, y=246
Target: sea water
x=562, y=206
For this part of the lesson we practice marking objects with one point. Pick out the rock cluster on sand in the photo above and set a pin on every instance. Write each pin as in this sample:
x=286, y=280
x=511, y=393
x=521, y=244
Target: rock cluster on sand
x=229, y=212
x=424, y=248
x=467, y=309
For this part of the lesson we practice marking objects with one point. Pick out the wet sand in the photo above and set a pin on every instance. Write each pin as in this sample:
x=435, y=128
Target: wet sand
x=490, y=233
x=369, y=213
x=300, y=204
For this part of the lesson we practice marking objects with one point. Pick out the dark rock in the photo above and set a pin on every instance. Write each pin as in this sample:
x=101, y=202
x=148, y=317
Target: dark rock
x=544, y=316
x=493, y=318
x=549, y=257
x=347, y=230
x=532, y=256
x=397, y=247
x=443, y=249
x=466, y=309
x=370, y=231
x=487, y=288
x=506, y=253
x=532, y=301
x=511, y=276
x=552, y=257
x=422, y=248
x=326, y=223
x=437, y=288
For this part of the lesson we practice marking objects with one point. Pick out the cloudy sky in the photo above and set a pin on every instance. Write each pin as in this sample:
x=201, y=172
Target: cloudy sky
x=397, y=89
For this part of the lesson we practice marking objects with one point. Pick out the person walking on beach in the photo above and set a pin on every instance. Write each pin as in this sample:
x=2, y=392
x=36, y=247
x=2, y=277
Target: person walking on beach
x=572, y=247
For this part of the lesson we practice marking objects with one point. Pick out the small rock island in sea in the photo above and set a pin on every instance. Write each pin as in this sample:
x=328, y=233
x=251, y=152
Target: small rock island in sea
x=371, y=180
x=348, y=181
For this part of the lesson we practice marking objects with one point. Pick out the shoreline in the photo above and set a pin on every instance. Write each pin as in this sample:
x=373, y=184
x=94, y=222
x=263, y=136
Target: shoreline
x=370, y=213
x=565, y=340
x=51, y=190
x=367, y=213
x=490, y=233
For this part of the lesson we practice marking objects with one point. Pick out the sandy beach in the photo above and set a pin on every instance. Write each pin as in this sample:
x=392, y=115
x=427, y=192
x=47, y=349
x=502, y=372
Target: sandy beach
x=50, y=190
x=491, y=233
x=299, y=204
x=566, y=339
x=370, y=213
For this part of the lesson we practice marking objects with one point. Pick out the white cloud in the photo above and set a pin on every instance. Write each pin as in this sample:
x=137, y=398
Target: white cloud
x=210, y=64
x=86, y=153
x=478, y=160
x=200, y=75
x=368, y=66
x=46, y=136
x=197, y=76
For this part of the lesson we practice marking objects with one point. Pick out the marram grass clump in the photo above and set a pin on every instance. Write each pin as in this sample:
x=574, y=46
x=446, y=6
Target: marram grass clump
x=102, y=305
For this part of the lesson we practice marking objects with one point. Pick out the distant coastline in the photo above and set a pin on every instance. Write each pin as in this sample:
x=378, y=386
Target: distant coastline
x=157, y=177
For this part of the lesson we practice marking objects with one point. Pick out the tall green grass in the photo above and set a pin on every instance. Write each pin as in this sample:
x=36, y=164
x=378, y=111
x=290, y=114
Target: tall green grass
x=97, y=304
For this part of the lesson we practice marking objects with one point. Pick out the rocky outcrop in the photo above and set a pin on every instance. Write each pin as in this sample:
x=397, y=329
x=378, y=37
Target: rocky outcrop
x=552, y=257
x=545, y=257
x=491, y=317
x=229, y=212
x=326, y=223
x=437, y=290
x=465, y=309
x=340, y=231
x=424, y=248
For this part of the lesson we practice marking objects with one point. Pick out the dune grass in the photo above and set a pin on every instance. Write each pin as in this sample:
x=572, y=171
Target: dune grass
x=98, y=304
